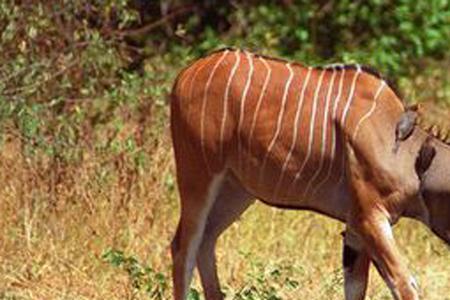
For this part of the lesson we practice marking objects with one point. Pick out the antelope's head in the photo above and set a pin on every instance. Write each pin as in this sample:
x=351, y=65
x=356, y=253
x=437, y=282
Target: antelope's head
x=433, y=169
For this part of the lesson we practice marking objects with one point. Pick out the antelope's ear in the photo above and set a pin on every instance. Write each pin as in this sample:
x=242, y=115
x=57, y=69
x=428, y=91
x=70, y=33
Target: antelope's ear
x=405, y=125
x=426, y=155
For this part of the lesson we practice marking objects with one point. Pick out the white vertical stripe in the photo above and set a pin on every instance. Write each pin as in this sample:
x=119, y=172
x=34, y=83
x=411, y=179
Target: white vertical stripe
x=339, y=94
x=372, y=109
x=225, y=101
x=184, y=78
x=181, y=82
x=311, y=131
x=324, y=134
x=350, y=95
x=279, y=121
x=243, y=98
x=344, y=117
x=295, y=134
x=261, y=97
x=333, y=131
x=194, y=77
x=205, y=100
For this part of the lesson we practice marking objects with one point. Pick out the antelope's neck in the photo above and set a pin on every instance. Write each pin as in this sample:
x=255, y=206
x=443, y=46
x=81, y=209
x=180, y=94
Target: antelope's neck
x=437, y=177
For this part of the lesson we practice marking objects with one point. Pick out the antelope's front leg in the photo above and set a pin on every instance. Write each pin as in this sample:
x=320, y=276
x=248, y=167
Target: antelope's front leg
x=378, y=193
x=376, y=233
x=356, y=264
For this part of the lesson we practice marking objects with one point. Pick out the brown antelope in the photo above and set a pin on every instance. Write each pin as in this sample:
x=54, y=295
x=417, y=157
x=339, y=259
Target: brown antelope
x=335, y=140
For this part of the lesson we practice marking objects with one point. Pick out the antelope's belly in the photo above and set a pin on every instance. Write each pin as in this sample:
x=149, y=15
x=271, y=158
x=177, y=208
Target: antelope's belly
x=295, y=182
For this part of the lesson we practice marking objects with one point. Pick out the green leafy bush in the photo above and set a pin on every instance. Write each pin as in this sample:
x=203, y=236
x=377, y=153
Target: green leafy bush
x=392, y=35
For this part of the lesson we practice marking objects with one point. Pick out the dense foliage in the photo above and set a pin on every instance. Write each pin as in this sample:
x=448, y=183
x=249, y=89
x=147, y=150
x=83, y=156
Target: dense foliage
x=389, y=34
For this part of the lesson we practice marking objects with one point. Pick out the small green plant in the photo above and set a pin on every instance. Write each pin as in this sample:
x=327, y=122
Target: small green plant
x=143, y=278
x=267, y=281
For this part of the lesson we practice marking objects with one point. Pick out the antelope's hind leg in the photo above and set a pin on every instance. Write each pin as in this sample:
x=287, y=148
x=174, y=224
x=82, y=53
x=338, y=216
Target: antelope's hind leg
x=231, y=202
x=198, y=195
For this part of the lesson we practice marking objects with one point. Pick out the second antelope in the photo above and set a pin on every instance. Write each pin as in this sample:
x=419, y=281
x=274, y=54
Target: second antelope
x=336, y=140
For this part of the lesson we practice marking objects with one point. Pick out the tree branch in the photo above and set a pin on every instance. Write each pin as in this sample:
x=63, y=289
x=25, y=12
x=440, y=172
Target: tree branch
x=149, y=27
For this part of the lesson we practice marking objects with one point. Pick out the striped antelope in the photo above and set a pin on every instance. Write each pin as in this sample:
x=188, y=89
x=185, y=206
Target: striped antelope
x=335, y=140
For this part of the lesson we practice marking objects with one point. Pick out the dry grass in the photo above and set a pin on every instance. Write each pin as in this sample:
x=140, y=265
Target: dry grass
x=54, y=232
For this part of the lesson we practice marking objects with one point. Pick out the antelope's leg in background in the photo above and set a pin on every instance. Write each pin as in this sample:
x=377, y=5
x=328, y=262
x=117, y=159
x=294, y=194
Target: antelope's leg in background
x=356, y=262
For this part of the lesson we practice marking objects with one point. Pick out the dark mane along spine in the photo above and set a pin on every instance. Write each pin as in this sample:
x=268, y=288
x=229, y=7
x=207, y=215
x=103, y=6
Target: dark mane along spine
x=374, y=72
x=365, y=68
